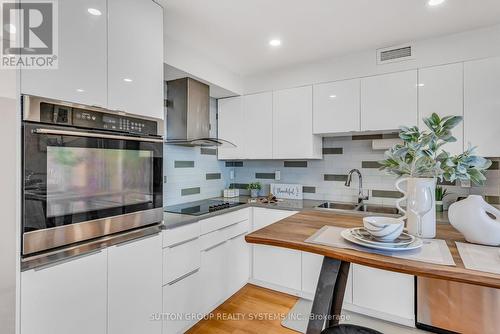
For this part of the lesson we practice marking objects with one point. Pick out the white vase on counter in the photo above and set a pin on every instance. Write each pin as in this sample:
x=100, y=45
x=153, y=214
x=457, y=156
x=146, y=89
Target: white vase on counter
x=420, y=210
x=477, y=220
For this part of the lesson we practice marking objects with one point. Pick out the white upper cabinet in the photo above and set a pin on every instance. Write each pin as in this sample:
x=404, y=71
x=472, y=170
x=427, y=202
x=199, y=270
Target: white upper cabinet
x=135, y=286
x=67, y=297
x=135, y=50
x=482, y=105
x=389, y=101
x=230, y=127
x=292, y=125
x=336, y=107
x=81, y=75
x=440, y=91
x=258, y=125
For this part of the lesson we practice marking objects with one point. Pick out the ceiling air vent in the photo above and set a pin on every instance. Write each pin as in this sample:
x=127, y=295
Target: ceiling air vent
x=394, y=54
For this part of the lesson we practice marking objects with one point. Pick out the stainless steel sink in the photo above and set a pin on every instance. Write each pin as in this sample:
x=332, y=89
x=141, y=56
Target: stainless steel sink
x=359, y=208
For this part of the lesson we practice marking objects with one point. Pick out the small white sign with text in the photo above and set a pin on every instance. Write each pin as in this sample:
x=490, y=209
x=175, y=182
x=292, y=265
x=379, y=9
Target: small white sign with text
x=287, y=191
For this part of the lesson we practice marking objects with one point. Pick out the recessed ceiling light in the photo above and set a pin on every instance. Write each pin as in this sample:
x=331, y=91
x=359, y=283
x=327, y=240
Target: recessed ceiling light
x=127, y=80
x=332, y=96
x=275, y=42
x=79, y=90
x=421, y=85
x=94, y=11
x=435, y=2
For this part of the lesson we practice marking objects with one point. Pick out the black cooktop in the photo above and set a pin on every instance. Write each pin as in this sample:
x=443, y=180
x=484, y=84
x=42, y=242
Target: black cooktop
x=201, y=207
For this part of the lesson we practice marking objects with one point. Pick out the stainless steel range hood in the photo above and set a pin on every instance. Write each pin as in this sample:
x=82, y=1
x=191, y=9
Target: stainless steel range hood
x=188, y=114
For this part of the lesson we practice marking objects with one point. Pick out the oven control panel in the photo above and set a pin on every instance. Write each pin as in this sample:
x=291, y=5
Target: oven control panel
x=64, y=115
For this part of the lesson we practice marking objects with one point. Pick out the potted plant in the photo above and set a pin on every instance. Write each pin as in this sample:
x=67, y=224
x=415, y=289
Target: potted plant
x=254, y=189
x=420, y=160
x=440, y=195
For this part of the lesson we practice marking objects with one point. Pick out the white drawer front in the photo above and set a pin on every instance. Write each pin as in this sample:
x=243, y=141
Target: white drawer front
x=180, y=260
x=180, y=234
x=212, y=239
x=214, y=223
x=237, y=229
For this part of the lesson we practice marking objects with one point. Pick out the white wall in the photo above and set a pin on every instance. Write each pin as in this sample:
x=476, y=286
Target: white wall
x=474, y=44
x=186, y=59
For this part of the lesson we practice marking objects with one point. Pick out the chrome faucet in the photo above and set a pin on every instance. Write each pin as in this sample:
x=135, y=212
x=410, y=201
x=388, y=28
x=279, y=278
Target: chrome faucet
x=361, y=196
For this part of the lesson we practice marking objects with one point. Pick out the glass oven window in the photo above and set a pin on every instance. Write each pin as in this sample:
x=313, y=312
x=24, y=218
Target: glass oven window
x=89, y=179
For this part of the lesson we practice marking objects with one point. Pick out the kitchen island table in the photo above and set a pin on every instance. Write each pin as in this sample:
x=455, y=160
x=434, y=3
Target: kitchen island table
x=292, y=233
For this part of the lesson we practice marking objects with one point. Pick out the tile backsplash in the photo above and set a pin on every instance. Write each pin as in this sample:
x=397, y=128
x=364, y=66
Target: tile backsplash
x=325, y=179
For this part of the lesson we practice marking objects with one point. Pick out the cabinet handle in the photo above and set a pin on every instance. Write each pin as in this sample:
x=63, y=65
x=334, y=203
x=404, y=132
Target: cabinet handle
x=137, y=239
x=184, y=276
x=66, y=260
x=182, y=242
x=214, y=246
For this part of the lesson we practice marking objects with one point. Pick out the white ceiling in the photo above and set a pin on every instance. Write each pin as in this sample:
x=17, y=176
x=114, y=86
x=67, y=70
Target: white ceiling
x=235, y=33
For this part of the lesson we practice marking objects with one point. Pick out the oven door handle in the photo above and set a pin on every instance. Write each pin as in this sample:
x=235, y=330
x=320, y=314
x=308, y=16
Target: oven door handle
x=94, y=135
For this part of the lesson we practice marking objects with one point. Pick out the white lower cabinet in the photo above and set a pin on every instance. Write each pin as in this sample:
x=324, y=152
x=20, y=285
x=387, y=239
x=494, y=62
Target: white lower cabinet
x=134, y=286
x=384, y=294
x=213, y=276
x=181, y=303
x=237, y=264
x=68, y=297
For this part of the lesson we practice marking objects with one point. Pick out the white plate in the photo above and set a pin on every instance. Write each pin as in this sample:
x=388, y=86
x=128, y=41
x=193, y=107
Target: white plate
x=346, y=234
x=362, y=234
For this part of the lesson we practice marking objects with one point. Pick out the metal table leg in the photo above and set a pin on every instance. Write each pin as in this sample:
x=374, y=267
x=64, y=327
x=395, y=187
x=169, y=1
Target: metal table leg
x=327, y=304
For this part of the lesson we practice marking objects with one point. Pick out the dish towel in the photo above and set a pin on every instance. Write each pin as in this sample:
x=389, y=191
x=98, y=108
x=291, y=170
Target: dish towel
x=432, y=251
x=480, y=258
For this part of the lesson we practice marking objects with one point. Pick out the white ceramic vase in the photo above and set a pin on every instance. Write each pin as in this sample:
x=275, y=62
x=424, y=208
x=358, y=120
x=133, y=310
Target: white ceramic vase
x=477, y=220
x=420, y=196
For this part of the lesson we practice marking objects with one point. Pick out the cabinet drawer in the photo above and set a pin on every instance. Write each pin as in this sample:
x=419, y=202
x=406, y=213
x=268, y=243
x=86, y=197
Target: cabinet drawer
x=237, y=229
x=212, y=239
x=180, y=259
x=180, y=234
x=218, y=222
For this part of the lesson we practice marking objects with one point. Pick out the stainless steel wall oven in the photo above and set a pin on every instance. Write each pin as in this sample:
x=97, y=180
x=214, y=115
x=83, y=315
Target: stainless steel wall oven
x=87, y=173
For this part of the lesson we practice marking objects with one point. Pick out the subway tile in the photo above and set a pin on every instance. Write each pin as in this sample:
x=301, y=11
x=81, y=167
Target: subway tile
x=370, y=164
x=335, y=177
x=190, y=191
x=213, y=176
x=234, y=163
x=296, y=164
x=308, y=190
x=183, y=164
x=386, y=193
x=266, y=176
x=208, y=151
x=333, y=150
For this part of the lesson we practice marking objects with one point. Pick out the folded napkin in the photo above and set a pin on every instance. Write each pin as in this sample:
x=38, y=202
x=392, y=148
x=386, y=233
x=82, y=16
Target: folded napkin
x=481, y=258
x=432, y=251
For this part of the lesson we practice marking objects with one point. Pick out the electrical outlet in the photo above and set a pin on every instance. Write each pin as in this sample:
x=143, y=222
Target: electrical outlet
x=465, y=184
x=277, y=175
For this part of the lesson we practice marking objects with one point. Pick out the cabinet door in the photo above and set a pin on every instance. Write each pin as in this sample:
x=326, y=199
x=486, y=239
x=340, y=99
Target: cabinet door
x=135, y=64
x=390, y=295
x=135, y=286
x=69, y=297
x=389, y=101
x=311, y=268
x=230, y=127
x=238, y=264
x=440, y=91
x=292, y=125
x=482, y=105
x=258, y=125
x=278, y=266
x=336, y=107
x=181, y=303
x=213, y=275
x=81, y=75
x=263, y=217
